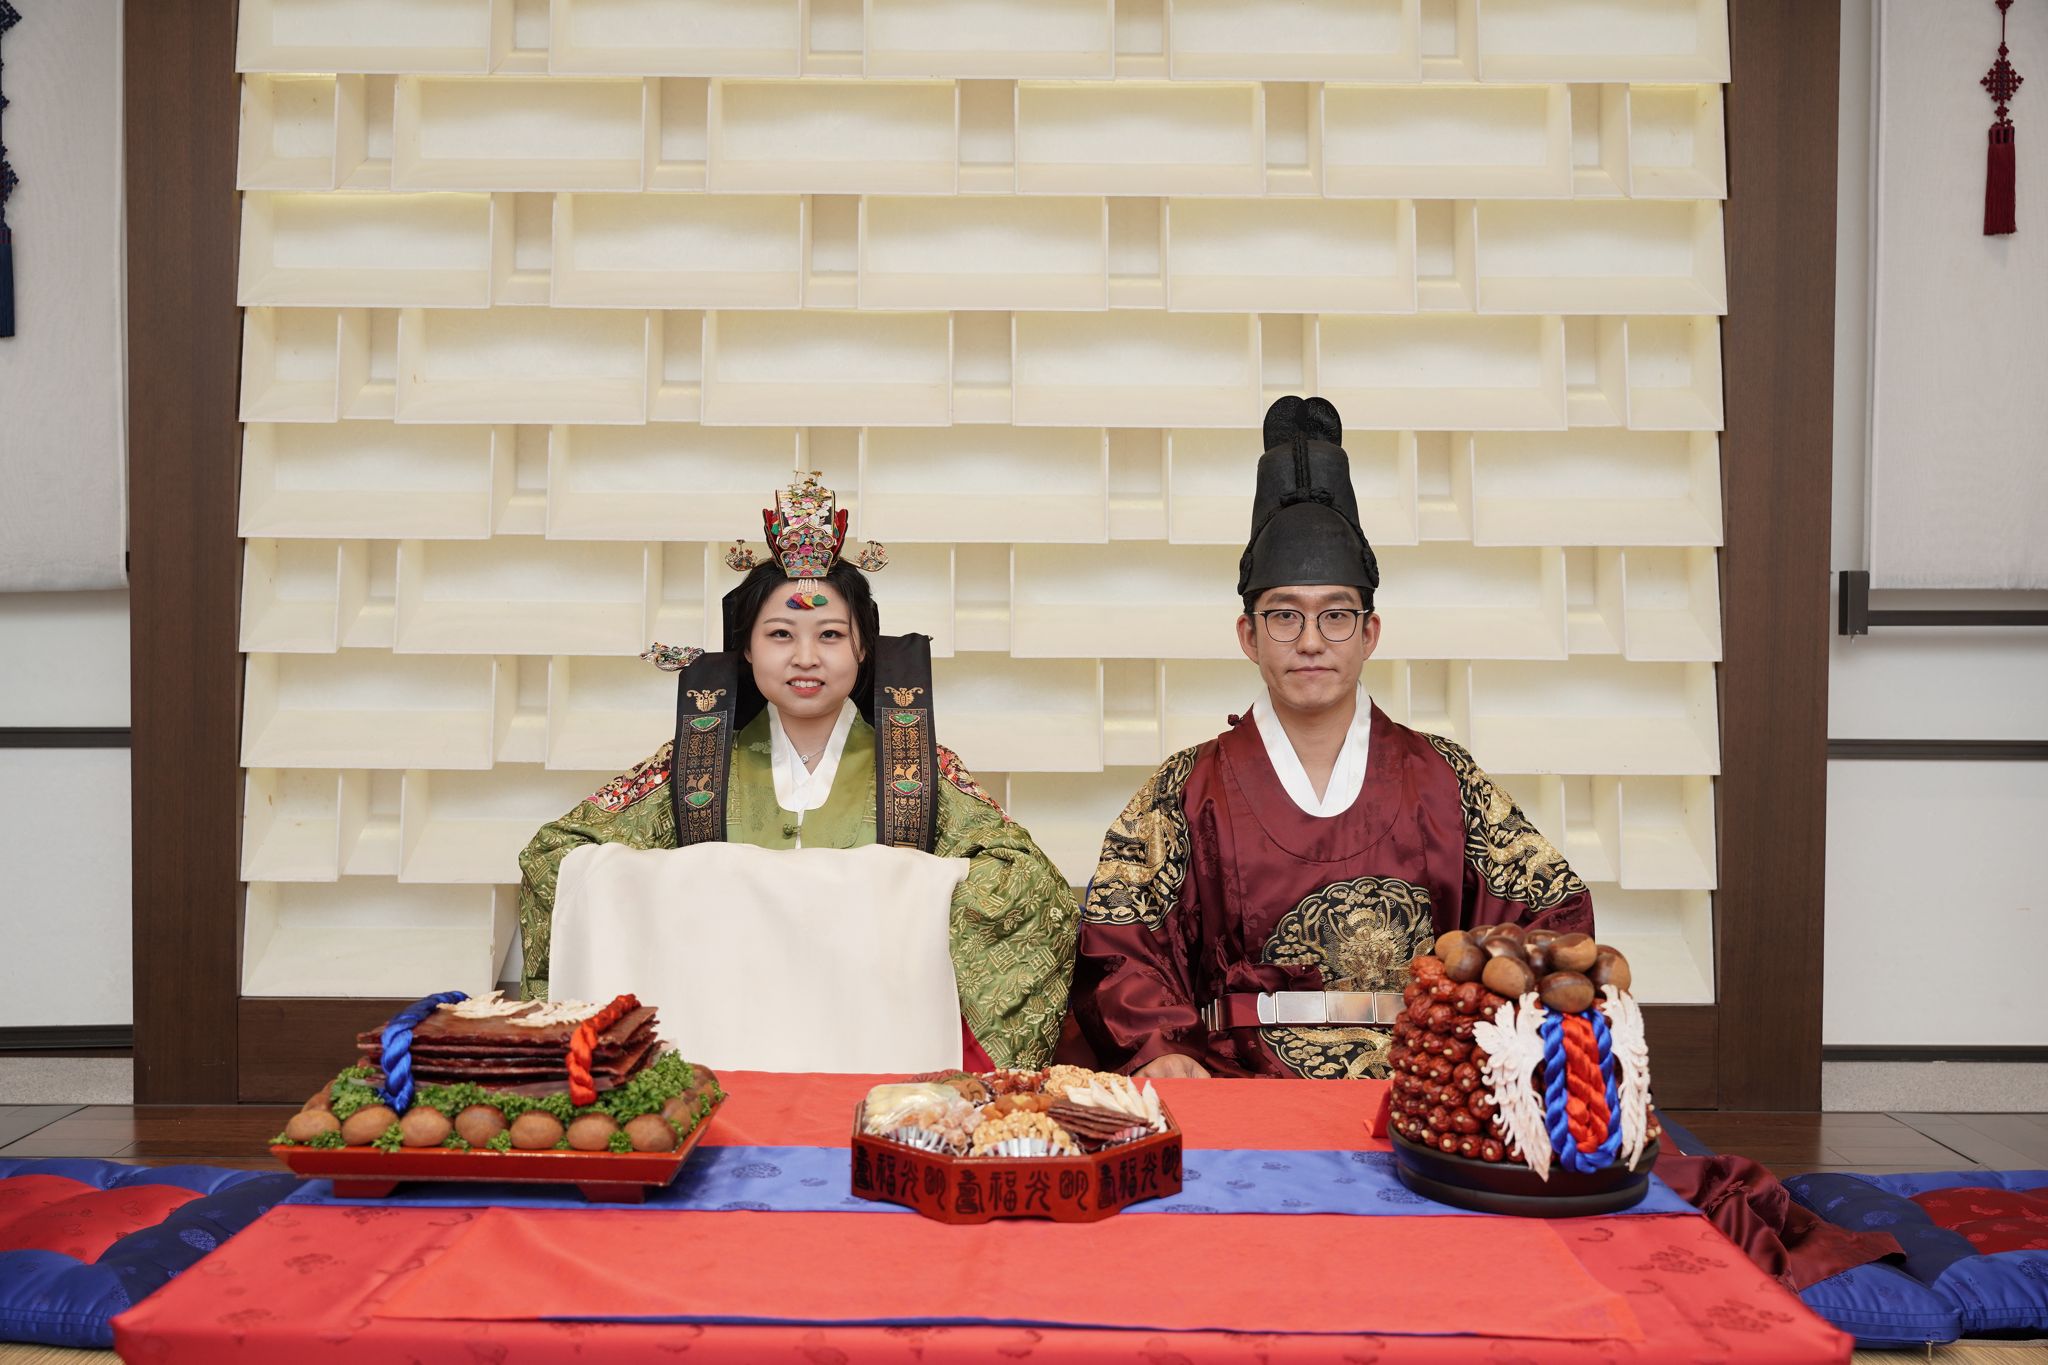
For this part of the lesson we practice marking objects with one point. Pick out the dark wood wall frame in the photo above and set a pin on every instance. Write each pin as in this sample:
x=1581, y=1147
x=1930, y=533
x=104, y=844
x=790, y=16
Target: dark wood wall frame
x=1777, y=464
x=1758, y=1047
x=184, y=340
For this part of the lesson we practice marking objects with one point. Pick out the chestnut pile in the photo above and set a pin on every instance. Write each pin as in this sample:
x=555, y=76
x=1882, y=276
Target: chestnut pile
x=1439, y=1097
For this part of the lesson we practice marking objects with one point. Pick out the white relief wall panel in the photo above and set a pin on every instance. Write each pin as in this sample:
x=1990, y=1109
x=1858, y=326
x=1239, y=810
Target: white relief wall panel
x=542, y=300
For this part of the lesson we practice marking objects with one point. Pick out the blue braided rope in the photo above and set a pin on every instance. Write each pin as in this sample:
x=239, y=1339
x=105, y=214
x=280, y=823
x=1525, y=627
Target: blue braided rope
x=1555, y=1094
x=1555, y=1116
x=397, y=1052
x=1609, y=1151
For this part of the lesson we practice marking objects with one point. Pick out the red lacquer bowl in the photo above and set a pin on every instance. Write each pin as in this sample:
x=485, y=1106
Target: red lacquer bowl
x=975, y=1189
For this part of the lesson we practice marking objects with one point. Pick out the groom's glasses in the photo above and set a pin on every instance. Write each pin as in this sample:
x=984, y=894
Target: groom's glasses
x=1337, y=624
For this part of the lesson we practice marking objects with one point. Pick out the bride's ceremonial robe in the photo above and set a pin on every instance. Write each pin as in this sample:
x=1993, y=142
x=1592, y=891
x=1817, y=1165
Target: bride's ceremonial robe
x=1012, y=921
x=1218, y=883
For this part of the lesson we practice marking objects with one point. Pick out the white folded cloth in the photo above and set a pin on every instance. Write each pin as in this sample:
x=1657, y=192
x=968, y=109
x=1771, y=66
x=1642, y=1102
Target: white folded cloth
x=762, y=959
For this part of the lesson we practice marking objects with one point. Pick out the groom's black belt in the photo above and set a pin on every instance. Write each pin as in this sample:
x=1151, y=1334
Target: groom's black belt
x=1255, y=1009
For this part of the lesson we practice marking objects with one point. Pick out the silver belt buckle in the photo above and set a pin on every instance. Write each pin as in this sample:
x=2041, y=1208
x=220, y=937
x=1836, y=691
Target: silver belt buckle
x=1293, y=1007
x=1350, y=1007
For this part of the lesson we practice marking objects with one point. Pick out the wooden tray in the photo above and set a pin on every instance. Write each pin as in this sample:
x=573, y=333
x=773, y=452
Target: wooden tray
x=603, y=1177
x=1512, y=1188
x=975, y=1189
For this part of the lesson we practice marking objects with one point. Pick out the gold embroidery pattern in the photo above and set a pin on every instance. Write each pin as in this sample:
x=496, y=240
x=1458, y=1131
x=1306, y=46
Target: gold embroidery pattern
x=1145, y=853
x=1514, y=860
x=906, y=787
x=1359, y=935
x=700, y=813
x=1332, y=1054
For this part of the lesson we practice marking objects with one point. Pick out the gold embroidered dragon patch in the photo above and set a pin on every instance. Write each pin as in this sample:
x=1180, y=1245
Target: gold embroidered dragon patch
x=1514, y=860
x=1359, y=935
x=1145, y=853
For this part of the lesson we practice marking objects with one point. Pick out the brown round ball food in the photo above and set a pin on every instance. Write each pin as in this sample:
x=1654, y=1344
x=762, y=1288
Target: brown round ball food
x=1567, y=992
x=1513, y=931
x=424, y=1126
x=536, y=1130
x=478, y=1124
x=651, y=1133
x=1610, y=971
x=1574, y=953
x=1537, y=955
x=593, y=1132
x=1506, y=945
x=702, y=1080
x=367, y=1123
x=308, y=1124
x=1509, y=976
x=1536, y=938
x=1448, y=944
x=1465, y=962
x=322, y=1099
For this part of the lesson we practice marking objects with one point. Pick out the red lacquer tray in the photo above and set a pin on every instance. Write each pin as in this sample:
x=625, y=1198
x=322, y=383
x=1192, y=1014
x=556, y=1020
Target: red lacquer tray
x=975, y=1189
x=603, y=1177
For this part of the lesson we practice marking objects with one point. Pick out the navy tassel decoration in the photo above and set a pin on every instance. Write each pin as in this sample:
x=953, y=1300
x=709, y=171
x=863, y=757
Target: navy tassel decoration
x=9, y=17
x=6, y=281
x=2001, y=192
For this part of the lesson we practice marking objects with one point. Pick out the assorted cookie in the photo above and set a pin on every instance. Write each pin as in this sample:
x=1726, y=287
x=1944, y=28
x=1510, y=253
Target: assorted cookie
x=1060, y=1111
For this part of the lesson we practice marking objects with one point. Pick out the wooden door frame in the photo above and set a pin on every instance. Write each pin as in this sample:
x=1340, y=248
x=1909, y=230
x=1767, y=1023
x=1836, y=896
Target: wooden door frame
x=196, y=1040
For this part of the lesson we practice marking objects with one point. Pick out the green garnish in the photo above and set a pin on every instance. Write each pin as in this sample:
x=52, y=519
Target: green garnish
x=351, y=1091
x=455, y=1142
x=390, y=1140
x=502, y=1142
x=646, y=1093
x=619, y=1142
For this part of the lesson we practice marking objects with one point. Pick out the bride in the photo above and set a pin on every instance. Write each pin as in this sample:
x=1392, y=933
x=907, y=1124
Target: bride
x=811, y=735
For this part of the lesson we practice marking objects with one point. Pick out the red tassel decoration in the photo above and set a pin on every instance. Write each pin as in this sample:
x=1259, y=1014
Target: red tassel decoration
x=2001, y=190
x=2000, y=175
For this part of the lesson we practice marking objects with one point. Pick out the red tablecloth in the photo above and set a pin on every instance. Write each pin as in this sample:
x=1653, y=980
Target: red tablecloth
x=312, y=1284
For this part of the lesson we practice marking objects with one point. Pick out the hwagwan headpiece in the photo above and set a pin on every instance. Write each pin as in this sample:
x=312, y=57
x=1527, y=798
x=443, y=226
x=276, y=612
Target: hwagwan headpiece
x=806, y=532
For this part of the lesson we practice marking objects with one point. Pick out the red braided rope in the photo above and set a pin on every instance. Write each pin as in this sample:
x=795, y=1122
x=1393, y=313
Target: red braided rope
x=1585, y=1088
x=583, y=1090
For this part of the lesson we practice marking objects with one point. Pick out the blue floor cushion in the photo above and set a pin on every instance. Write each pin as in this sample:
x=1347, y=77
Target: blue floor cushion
x=81, y=1241
x=1976, y=1242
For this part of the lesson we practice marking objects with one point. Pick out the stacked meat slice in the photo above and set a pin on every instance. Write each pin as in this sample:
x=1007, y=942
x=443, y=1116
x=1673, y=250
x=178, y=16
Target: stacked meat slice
x=500, y=1052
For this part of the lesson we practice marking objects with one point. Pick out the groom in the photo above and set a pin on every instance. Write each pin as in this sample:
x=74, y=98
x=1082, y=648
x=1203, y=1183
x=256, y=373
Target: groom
x=1258, y=900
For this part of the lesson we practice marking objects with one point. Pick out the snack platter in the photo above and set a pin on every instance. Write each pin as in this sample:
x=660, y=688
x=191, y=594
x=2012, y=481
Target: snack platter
x=1064, y=1144
x=491, y=1090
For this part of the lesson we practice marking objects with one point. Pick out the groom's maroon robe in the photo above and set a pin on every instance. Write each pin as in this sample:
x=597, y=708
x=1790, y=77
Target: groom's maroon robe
x=1214, y=883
